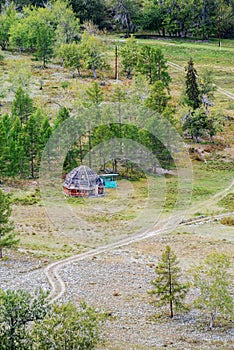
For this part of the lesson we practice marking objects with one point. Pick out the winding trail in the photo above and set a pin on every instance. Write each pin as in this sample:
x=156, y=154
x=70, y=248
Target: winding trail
x=180, y=68
x=226, y=93
x=58, y=287
x=220, y=90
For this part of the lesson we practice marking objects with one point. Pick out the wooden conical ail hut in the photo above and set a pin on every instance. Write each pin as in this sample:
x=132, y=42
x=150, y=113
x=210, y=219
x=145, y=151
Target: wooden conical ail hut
x=83, y=182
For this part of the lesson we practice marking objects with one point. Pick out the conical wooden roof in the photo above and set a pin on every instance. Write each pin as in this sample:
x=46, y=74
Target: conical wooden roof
x=81, y=178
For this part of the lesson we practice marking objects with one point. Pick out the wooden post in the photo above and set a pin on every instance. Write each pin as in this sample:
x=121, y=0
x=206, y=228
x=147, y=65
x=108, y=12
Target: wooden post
x=90, y=146
x=116, y=62
x=219, y=35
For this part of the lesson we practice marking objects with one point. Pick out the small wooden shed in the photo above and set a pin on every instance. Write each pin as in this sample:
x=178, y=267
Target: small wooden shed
x=83, y=182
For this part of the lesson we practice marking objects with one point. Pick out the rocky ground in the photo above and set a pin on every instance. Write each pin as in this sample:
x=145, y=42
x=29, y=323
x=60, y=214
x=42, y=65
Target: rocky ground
x=22, y=271
x=118, y=281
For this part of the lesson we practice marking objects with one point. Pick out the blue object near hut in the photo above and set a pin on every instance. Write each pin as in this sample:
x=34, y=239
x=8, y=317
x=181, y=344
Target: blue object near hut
x=109, y=180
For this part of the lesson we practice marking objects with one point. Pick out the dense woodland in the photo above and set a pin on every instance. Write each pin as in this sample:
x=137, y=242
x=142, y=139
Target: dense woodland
x=26, y=129
x=200, y=18
x=56, y=32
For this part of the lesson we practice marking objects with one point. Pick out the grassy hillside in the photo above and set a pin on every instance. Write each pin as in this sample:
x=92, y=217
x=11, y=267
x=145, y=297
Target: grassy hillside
x=54, y=87
x=60, y=89
x=118, y=280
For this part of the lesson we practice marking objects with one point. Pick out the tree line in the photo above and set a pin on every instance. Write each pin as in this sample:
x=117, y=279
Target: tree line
x=26, y=130
x=200, y=19
x=24, y=134
x=54, y=30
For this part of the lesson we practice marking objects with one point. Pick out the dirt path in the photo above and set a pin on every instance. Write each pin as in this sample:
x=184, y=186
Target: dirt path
x=52, y=271
x=222, y=91
x=178, y=67
x=58, y=287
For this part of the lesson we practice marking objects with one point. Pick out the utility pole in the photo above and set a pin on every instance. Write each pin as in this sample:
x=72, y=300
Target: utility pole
x=116, y=63
x=90, y=146
x=219, y=35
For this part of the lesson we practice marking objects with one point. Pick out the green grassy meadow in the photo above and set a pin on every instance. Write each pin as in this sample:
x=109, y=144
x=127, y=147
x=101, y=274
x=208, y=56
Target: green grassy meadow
x=119, y=213
x=135, y=205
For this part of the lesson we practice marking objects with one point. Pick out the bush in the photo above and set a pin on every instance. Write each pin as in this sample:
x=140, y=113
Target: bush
x=30, y=199
x=227, y=220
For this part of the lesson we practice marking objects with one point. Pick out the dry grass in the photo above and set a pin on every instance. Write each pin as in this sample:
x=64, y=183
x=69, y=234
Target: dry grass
x=228, y=220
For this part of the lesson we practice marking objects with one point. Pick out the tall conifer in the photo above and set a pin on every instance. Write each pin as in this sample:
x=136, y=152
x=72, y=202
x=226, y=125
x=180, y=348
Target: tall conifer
x=192, y=91
x=168, y=287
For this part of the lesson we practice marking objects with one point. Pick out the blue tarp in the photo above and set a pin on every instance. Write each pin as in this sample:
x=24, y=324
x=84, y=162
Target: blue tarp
x=109, y=180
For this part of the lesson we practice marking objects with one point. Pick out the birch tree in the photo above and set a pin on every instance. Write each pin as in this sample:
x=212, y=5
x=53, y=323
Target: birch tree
x=214, y=282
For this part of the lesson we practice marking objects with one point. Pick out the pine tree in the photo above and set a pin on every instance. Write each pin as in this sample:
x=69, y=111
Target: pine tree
x=46, y=131
x=71, y=54
x=17, y=156
x=22, y=106
x=63, y=130
x=95, y=98
x=45, y=134
x=67, y=327
x=5, y=126
x=18, y=312
x=93, y=53
x=196, y=124
x=32, y=141
x=158, y=98
x=95, y=94
x=152, y=63
x=129, y=54
x=192, y=91
x=7, y=236
x=119, y=96
x=44, y=41
x=168, y=287
x=8, y=15
x=63, y=114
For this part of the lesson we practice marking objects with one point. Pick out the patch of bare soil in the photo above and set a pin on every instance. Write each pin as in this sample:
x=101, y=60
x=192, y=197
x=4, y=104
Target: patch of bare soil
x=227, y=154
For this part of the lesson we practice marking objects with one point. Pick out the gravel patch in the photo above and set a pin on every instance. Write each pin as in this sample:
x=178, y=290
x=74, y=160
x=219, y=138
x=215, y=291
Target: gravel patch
x=20, y=271
x=117, y=282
